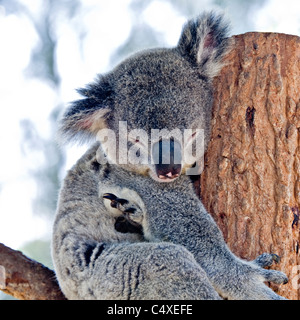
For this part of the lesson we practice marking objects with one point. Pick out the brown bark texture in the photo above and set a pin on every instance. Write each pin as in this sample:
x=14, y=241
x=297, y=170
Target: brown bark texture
x=251, y=180
x=26, y=279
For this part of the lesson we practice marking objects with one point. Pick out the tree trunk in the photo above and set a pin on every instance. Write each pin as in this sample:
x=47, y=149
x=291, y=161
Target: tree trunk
x=251, y=180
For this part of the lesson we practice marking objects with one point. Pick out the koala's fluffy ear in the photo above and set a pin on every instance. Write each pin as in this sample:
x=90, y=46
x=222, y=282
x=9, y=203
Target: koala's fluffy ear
x=204, y=42
x=85, y=117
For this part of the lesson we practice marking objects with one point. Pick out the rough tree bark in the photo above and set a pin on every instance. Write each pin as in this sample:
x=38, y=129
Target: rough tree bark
x=251, y=181
x=26, y=279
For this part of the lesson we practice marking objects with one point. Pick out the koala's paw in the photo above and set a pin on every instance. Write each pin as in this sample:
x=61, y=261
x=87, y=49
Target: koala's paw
x=266, y=260
x=255, y=279
x=262, y=291
x=275, y=276
x=130, y=217
x=250, y=279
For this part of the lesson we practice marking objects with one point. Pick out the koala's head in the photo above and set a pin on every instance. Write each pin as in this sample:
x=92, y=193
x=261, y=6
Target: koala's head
x=152, y=112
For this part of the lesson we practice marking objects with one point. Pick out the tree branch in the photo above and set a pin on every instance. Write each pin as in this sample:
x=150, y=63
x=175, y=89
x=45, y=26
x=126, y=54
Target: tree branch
x=26, y=279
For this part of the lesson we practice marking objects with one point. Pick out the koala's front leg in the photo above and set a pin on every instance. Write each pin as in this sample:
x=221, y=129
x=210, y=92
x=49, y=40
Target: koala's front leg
x=234, y=278
x=191, y=226
x=246, y=279
x=239, y=279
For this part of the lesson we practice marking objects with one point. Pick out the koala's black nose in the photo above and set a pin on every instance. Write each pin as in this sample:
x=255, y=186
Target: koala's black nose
x=166, y=155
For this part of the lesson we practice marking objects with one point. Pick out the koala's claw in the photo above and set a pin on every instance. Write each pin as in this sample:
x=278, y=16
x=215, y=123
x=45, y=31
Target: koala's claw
x=119, y=203
x=130, y=213
x=275, y=257
x=109, y=196
x=115, y=202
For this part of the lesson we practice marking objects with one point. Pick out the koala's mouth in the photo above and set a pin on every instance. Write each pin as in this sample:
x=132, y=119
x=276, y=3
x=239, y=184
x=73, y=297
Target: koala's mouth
x=167, y=172
x=167, y=155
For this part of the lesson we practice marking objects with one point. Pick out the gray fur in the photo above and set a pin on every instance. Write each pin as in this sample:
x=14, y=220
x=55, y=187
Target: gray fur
x=120, y=232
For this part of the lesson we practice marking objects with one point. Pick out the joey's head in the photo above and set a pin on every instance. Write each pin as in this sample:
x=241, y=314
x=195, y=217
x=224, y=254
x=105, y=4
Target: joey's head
x=152, y=112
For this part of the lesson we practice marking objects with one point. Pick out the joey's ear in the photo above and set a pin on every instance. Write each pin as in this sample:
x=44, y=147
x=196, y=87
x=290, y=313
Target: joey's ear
x=204, y=42
x=85, y=117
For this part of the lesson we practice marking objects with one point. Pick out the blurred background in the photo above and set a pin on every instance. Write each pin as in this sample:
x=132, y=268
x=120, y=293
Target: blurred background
x=48, y=48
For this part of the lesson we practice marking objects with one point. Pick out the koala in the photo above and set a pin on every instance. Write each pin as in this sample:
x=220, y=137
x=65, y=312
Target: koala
x=129, y=224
